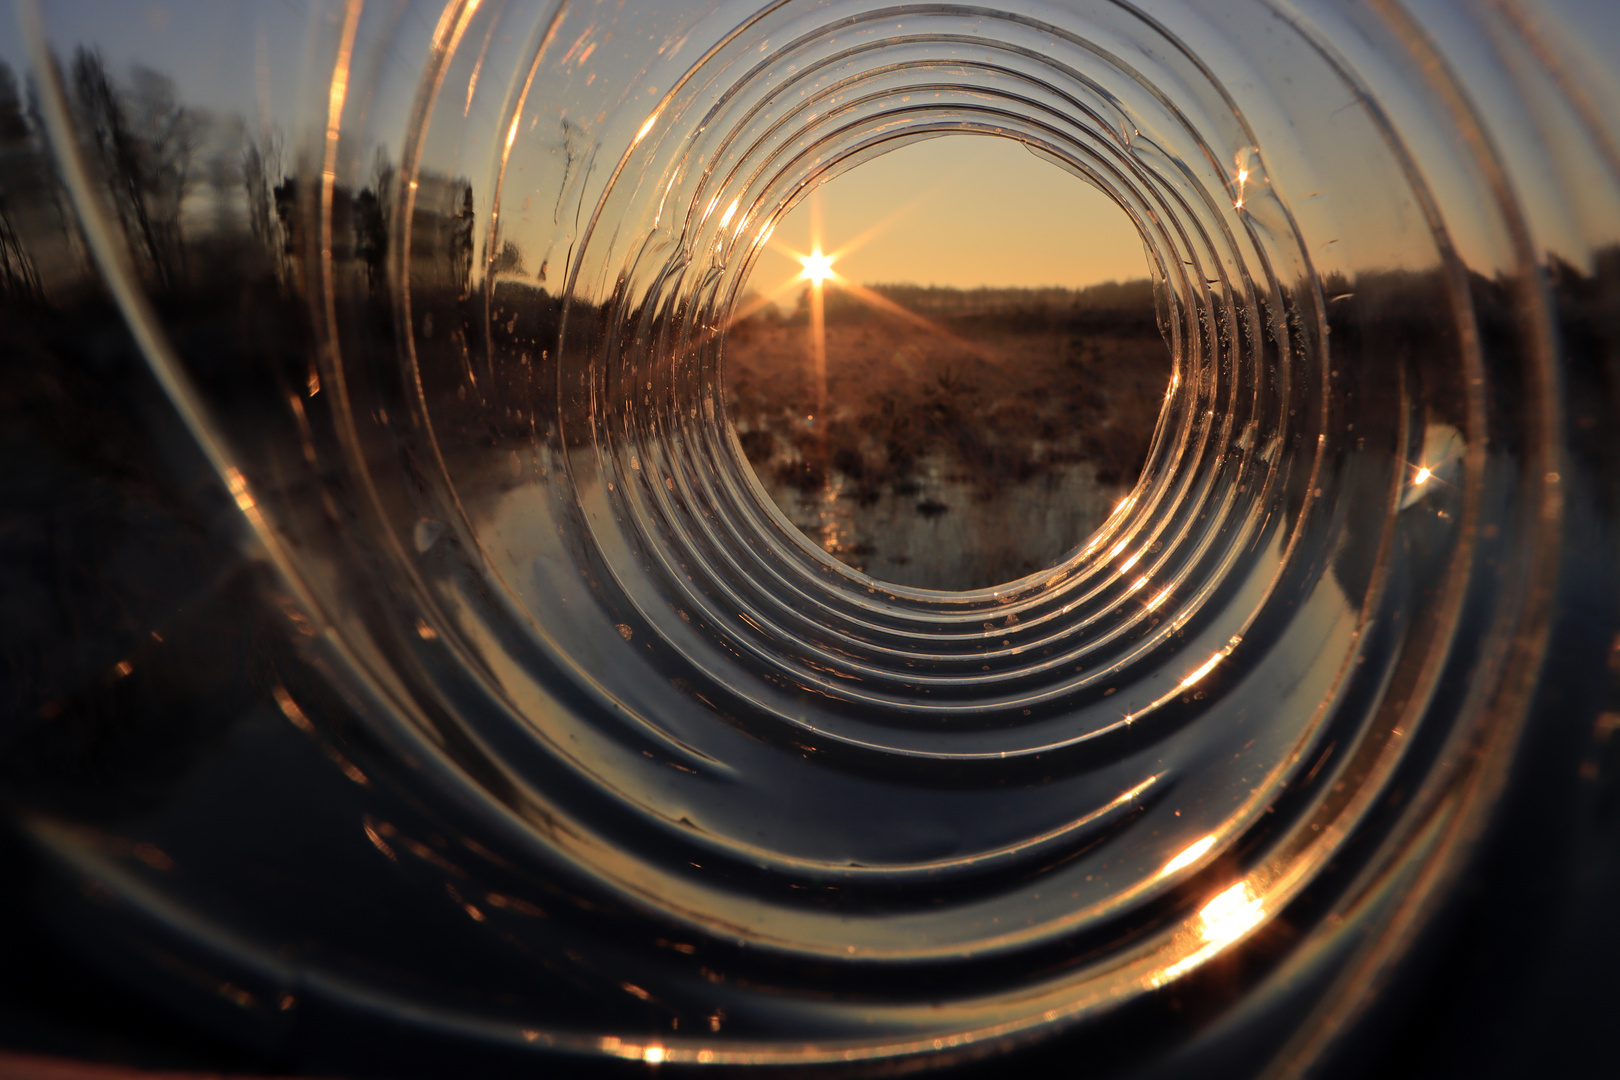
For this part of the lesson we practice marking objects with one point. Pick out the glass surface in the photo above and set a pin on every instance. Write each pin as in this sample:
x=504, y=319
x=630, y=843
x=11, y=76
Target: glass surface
x=403, y=663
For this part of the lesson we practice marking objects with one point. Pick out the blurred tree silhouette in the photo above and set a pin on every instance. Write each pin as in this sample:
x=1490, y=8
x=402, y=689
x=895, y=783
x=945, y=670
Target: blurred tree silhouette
x=509, y=260
x=145, y=142
x=19, y=279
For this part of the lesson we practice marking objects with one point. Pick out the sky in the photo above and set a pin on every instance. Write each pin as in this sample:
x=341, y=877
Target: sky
x=963, y=211
x=976, y=210
x=214, y=51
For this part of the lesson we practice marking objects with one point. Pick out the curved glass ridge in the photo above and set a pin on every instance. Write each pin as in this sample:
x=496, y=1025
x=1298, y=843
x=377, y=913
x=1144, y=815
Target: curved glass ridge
x=451, y=682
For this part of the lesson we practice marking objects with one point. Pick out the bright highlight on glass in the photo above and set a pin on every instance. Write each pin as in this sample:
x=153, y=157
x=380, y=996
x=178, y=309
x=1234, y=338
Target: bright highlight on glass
x=1190, y=855
x=1231, y=914
x=1203, y=669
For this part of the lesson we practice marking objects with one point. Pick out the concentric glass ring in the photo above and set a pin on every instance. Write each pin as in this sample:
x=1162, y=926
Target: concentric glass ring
x=770, y=808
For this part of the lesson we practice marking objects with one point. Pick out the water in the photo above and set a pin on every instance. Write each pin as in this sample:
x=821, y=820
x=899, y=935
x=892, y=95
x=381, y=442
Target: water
x=942, y=530
x=966, y=438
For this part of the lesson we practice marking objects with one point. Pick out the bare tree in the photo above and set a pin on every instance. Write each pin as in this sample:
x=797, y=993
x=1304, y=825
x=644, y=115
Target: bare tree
x=372, y=208
x=19, y=279
x=145, y=142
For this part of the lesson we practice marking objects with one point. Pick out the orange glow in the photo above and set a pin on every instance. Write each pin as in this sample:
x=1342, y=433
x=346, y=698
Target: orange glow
x=472, y=83
x=817, y=267
x=818, y=264
x=818, y=349
x=1231, y=914
x=1422, y=476
x=1242, y=180
x=955, y=213
x=1204, y=669
x=1191, y=855
x=290, y=709
x=239, y=489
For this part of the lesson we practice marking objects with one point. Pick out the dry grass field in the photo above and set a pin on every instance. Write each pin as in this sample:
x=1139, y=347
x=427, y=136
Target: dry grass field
x=973, y=445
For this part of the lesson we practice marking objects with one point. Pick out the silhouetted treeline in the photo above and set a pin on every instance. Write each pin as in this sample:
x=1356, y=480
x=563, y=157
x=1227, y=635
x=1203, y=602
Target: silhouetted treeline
x=931, y=300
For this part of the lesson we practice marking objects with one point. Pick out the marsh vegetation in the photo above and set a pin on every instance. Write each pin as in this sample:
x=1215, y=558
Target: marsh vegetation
x=976, y=438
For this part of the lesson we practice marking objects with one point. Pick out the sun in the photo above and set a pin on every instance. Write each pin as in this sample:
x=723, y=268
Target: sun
x=817, y=267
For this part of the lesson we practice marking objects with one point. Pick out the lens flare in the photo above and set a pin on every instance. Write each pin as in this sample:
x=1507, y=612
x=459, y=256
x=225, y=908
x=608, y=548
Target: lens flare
x=817, y=267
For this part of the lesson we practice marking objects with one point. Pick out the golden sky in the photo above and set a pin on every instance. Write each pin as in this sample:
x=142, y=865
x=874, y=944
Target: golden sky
x=962, y=211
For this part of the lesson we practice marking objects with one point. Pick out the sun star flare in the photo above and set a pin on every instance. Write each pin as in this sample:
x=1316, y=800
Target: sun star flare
x=817, y=267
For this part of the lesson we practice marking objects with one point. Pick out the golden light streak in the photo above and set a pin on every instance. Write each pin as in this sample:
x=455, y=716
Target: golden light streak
x=336, y=96
x=817, y=269
x=478, y=65
x=818, y=350
x=447, y=35
x=237, y=483
x=1422, y=476
x=1181, y=967
x=815, y=219
x=883, y=223
x=1204, y=669
x=1230, y=915
x=1192, y=854
x=818, y=318
x=761, y=301
x=517, y=117
x=340, y=79
x=883, y=303
x=755, y=304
